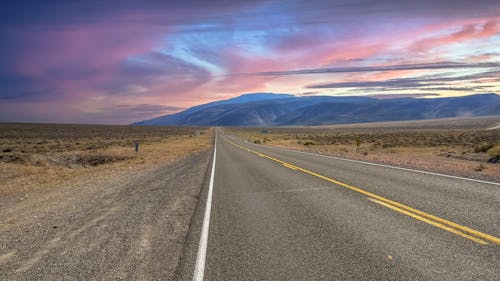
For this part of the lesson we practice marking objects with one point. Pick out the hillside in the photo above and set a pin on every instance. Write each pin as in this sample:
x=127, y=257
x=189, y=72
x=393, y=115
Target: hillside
x=288, y=110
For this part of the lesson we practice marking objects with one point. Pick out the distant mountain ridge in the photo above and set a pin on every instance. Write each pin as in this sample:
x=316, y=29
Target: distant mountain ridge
x=267, y=109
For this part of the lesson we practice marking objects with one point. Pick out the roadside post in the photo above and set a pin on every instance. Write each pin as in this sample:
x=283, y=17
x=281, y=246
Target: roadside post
x=136, y=143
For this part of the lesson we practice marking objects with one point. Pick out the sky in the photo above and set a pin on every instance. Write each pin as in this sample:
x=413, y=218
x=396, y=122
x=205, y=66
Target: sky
x=120, y=61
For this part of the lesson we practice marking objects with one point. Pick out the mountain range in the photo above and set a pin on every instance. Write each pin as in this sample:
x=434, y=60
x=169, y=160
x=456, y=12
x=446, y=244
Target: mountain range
x=267, y=109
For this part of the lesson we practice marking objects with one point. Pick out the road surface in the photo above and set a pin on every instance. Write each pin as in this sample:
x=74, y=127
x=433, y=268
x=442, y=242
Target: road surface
x=281, y=215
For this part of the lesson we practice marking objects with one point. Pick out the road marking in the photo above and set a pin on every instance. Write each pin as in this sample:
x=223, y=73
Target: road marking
x=199, y=269
x=408, y=209
x=436, y=224
x=380, y=165
x=290, y=166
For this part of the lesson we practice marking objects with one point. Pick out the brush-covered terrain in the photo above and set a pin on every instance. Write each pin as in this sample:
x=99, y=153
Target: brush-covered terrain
x=32, y=155
x=467, y=147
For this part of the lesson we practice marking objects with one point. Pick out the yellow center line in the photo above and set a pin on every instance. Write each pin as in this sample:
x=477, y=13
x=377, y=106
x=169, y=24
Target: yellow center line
x=407, y=209
x=290, y=166
x=431, y=222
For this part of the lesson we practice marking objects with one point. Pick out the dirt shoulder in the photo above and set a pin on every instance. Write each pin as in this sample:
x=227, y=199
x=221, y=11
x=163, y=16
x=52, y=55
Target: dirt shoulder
x=122, y=220
x=454, y=152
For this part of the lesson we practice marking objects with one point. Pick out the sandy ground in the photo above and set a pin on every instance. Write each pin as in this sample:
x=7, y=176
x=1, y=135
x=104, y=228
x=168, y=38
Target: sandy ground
x=433, y=159
x=124, y=220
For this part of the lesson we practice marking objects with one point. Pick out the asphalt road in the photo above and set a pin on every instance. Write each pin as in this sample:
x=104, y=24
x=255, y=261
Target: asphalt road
x=283, y=215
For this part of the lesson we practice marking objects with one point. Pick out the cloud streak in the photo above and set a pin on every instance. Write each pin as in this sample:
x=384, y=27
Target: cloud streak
x=401, y=83
x=422, y=66
x=394, y=96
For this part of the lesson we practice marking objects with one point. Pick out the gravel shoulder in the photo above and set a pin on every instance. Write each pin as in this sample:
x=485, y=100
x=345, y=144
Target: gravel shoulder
x=118, y=224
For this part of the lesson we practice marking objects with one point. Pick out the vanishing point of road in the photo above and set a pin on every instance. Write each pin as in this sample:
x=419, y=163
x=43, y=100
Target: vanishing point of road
x=275, y=214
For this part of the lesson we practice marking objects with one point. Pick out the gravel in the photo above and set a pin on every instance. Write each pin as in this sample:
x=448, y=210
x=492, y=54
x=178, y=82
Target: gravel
x=128, y=224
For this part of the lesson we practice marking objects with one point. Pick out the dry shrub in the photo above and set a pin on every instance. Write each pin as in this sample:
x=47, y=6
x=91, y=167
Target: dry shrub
x=494, y=151
x=94, y=160
x=484, y=147
x=308, y=142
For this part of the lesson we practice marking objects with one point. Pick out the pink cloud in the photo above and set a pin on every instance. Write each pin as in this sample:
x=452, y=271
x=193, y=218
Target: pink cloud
x=467, y=32
x=483, y=57
x=92, y=48
x=235, y=61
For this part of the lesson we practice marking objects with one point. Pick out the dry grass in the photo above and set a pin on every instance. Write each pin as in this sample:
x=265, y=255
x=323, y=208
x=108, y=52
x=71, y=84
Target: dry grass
x=482, y=122
x=40, y=156
x=461, y=152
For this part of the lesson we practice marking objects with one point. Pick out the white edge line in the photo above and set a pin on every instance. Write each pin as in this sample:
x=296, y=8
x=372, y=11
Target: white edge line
x=199, y=269
x=380, y=165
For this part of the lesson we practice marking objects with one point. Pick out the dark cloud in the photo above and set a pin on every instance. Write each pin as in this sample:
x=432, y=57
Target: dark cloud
x=397, y=96
x=421, y=66
x=421, y=88
x=57, y=12
x=418, y=82
x=23, y=88
x=396, y=83
x=131, y=112
x=148, y=108
x=309, y=93
x=178, y=13
x=457, y=89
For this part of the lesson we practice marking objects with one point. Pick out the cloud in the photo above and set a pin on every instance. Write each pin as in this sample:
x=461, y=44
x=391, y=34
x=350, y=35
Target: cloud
x=402, y=83
x=148, y=108
x=484, y=56
x=468, y=32
x=423, y=66
x=130, y=112
x=397, y=96
x=457, y=89
x=156, y=74
x=60, y=12
x=310, y=93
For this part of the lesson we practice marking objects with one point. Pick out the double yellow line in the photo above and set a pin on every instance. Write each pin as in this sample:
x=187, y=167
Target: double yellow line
x=463, y=231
